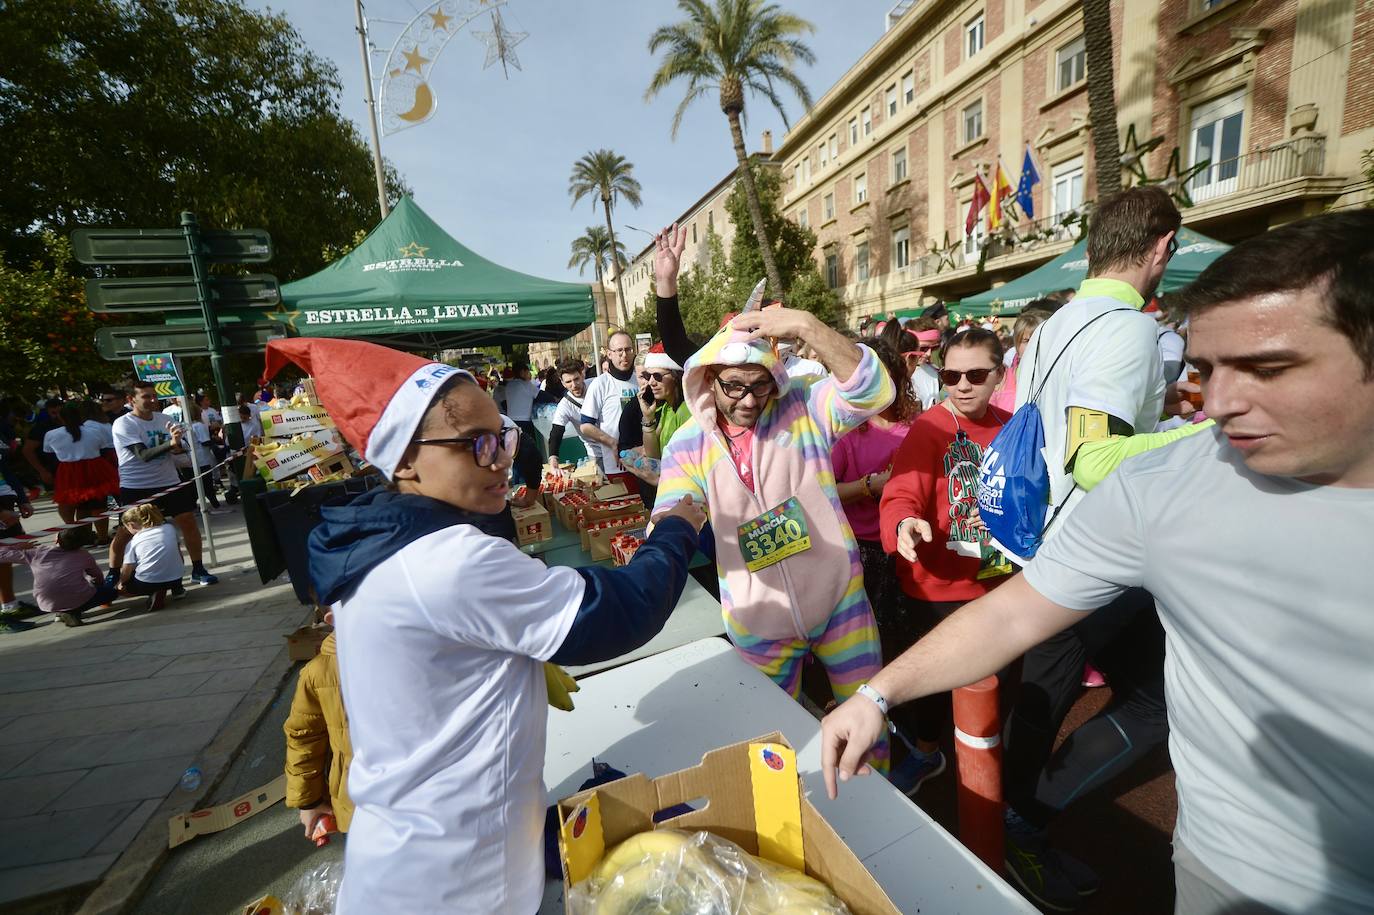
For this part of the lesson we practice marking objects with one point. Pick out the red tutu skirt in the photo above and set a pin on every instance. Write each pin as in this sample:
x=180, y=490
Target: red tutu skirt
x=90, y=480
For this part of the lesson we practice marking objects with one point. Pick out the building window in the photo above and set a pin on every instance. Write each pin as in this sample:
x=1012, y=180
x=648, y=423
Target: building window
x=1216, y=130
x=710, y=221
x=908, y=87
x=891, y=101
x=803, y=218
x=861, y=261
x=834, y=146
x=796, y=177
x=821, y=156
x=1072, y=64
x=901, y=248
x=973, y=243
x=806, y=170
x=694, y=233
x=867, y=117
x=853, y=132
x=973, y=121
x=1066, y=184
x=899, y=165
x=828, y=206
x=832, y=270
x=860, y=189
x=973, y=36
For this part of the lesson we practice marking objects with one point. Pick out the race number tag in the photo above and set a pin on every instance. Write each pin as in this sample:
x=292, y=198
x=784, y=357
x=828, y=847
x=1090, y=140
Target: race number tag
x=774, y=535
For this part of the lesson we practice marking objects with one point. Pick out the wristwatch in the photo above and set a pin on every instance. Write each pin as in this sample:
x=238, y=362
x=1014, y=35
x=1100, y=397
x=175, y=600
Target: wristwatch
x=876, y=696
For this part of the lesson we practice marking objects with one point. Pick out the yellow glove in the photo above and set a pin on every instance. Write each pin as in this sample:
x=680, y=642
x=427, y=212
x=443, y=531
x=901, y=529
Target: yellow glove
x=561, y=686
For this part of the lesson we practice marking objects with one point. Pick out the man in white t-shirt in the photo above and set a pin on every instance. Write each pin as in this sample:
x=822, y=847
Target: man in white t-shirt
x=607, y=395
x=145, y=441
x=1263, y=595
x=567, y=416
x=516, y=397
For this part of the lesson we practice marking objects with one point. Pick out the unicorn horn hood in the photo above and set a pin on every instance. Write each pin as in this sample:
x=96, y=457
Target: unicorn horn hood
x=727, y=348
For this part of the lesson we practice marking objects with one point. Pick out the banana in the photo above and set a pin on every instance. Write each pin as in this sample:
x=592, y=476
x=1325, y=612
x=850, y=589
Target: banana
x=560, y=687
x=659, y=844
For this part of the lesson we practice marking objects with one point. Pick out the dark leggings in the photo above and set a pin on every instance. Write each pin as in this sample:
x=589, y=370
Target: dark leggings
x=1126, y=642
x=139, y=587
x=902, y=620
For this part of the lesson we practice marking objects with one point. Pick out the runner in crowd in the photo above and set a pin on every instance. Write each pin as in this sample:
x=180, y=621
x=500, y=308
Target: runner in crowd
x=1031, y=317
x=659, y=411
x=66, y=579
x=145, y=441
x=46, y=418
x=516, y=397
x=929, y=519
x=85, y=477
x=200, y=438
x=113, y=404
x=152, y=563
x=757, y=453
x=607, y=395
x=1268, y=630
x=567, y=416
x=442, y=631
x=918, y=341
x=14, y=505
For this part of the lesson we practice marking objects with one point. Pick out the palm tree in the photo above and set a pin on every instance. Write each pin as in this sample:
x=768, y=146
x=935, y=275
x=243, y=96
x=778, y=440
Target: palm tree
x=606, y=175
x=594, y=249
x=732, y=46
x=1097, y=35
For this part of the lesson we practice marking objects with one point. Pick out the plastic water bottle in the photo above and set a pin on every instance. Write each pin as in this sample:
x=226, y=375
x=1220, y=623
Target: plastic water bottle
x=190, y=779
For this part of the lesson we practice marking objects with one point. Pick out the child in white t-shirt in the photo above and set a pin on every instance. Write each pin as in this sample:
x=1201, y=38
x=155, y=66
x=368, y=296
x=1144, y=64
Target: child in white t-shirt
x=152, y=560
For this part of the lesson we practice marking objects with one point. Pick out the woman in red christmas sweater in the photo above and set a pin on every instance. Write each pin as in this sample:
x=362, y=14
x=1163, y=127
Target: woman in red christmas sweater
x=928, y=517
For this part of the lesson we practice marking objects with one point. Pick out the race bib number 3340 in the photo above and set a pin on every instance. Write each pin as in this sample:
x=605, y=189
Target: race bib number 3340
x=774, y=535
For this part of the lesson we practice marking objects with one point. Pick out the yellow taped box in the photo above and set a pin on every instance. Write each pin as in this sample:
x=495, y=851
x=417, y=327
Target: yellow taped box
x=754, y=800
x=285, y=422
x=297, y=455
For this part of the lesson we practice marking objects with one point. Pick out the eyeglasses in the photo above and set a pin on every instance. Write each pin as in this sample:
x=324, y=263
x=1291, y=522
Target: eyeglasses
x=950, y=378
x=484, y=445
x=1173, y=245
x=111, y=398
x=623, y=351
x=738, y=390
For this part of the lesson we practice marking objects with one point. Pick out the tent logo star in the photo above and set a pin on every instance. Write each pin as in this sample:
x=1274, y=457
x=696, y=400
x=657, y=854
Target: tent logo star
x=414, y=249
x=286, y=317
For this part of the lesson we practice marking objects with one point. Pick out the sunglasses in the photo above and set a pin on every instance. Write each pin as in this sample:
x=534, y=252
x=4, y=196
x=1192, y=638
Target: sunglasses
x=659, y=376
x=738, y=390
x=922, y=349
x=1173, y=245
x=484, y=445
x=950, y=378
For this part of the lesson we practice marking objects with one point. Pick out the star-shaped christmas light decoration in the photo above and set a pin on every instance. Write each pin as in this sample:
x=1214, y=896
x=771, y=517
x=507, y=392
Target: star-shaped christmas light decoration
x=440, y=19
x=945, y=253
x=414, y=249
x=1176, y=178
x=413, y=60
x=1133, y=153
x=500, y=44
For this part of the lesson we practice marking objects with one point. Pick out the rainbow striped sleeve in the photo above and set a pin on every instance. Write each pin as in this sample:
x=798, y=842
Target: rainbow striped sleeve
x=683, y=471
x=839, y=407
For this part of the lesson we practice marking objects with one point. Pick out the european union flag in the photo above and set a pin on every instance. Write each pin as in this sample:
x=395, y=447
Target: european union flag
x=1029, y=179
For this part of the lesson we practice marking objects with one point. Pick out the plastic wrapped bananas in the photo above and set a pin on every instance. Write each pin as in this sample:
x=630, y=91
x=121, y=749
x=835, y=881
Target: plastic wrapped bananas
x=670, y=872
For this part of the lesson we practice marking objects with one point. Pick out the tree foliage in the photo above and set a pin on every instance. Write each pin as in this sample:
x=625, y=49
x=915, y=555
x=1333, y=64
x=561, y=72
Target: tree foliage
x=125, y=112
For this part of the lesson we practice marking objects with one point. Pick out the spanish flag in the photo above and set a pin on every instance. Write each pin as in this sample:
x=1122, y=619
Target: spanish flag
x=1001, y=188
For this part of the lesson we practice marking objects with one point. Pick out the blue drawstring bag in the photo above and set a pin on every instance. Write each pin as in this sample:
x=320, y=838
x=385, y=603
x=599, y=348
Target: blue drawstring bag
x=1013, y=480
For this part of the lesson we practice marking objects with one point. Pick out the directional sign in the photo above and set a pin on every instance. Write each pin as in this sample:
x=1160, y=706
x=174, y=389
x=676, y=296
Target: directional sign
x=184, y=340
x=178, y=293
x=161, y=370
x=168, y=246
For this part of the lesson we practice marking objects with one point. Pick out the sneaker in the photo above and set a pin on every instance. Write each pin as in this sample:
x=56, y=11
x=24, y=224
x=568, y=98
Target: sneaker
x=69, y=618
x=1092, y=677
x=157, y=600
x=1083, y=878
x=22, y=609
x=10, y=626
x=201, y=575
x=1039, y=870
x=112, y=578
x=179, y=591
x=231, y=496
x=915, y=770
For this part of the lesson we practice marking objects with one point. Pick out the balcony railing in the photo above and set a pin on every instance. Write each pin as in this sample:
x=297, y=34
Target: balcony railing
x=1301, y=157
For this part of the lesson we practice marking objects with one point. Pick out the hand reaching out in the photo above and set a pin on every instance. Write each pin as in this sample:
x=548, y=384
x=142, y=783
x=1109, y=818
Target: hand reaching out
x=668, y=247
x=910, y=532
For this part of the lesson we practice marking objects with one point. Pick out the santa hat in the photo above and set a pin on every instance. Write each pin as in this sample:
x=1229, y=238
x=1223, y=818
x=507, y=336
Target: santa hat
x=661, y=361
x=377, y=396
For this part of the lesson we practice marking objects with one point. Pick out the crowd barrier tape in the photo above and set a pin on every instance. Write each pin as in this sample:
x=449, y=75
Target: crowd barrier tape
x=28, y=536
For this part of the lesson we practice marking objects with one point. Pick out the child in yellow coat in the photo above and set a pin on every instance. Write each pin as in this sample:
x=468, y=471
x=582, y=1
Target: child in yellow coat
x=317, y=742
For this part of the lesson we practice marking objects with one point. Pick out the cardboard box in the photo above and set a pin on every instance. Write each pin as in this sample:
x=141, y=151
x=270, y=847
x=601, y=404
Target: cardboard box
x=565, y=507
x=532, y=524
x=293, y=457
x=754, y=799
x=186, y=826
x=304, y=643
x=338, y=464
x=626, y=543
x=599, y=535
x=288, y=421
x=610, y=491
x=589, y=475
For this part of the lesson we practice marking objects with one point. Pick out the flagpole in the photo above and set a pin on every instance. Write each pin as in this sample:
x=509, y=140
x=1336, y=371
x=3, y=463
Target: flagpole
x=372, y=112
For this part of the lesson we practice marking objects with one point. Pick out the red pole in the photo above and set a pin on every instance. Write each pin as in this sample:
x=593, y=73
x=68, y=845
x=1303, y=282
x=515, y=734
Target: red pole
x=978, y=748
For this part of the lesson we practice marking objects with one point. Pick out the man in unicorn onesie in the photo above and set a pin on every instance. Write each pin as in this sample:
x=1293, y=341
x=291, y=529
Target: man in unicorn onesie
x=756, y=453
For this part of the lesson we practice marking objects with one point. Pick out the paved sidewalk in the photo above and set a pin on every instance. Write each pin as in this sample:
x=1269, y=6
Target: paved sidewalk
x=98, y=723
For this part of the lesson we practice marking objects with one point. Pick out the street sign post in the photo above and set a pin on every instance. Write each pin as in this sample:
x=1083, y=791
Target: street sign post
x=178, y=293
x=184, y=340
x=97, y=246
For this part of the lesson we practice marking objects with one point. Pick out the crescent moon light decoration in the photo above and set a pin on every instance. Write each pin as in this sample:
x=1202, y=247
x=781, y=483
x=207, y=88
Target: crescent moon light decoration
x=406, y=97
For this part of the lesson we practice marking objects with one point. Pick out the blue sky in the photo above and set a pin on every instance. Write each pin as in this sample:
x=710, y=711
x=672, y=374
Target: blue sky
x=492, y=165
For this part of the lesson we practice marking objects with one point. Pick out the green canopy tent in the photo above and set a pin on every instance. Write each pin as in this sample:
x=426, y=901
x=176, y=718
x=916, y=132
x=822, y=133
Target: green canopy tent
x=1066, y=271
x=413, y=286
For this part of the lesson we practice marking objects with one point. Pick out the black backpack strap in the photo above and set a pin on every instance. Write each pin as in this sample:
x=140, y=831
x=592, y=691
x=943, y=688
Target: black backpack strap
x=1035, y=398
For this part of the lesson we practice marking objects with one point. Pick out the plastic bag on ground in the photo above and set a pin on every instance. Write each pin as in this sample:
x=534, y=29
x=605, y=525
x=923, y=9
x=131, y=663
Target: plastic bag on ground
x=315, y=891
x=671, y=872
